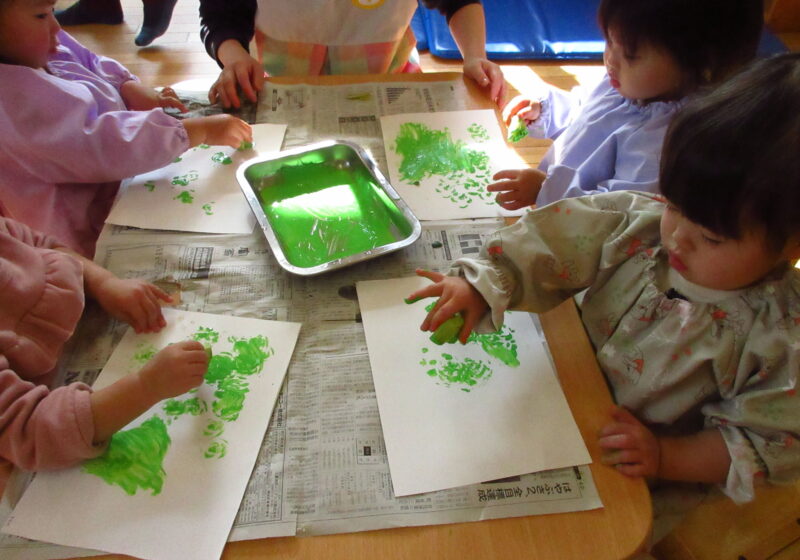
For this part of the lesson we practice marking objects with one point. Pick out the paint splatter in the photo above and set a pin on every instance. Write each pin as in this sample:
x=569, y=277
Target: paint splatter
x=464, y=172
x=143, y=353
x=174, y=408
x=206, y=334
x=220, y=157
x=185, y=196
x=478, y=132
x=177, y=159
x=500, y=345
x=150, y=186
x=184, y=180
x=207, y=208
x=465, y=374
x=134, y=459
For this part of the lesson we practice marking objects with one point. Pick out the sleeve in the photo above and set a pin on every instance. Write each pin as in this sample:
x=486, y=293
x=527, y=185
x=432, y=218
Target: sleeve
x=77, y=145
x=107, y=68
x=221, y=20
x=627, y=160
x=759, y=420
x=556, y=251
x=42, y=429
x=559, y=109
x=448, y=7
x=23, y=233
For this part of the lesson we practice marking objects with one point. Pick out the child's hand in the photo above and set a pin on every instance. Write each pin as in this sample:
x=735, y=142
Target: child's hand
x=455, y=295
x=174, y=370
x=141, y=98
x=136, y=302
x=240, y=70
x=218, y=130
x=522, y=107
x=629, y=446
x=487, y=74
x=518, y=187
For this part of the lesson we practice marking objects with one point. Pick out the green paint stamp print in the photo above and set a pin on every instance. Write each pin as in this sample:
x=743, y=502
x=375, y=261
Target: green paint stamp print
x=185, y=196
x=150, y=186
x=184, y=180
x=220, y=157
x=463, y=172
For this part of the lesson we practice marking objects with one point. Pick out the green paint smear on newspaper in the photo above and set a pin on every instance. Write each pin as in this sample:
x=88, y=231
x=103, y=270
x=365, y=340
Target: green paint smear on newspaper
x=134, y=458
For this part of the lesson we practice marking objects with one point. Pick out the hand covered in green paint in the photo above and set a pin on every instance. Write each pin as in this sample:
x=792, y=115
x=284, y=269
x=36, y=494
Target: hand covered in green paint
x=518, y=188
x=141, y=98
x=629, y=446
x=136, y=302
x=455, y=295
x=218, y=130
x=488, y=75
x=174, y=370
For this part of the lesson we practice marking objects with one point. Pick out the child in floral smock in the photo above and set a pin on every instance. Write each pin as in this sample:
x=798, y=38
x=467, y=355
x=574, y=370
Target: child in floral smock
x=693, y=304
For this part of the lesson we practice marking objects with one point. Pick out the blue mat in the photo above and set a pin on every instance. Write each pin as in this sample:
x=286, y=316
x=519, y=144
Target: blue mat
x=534, y=30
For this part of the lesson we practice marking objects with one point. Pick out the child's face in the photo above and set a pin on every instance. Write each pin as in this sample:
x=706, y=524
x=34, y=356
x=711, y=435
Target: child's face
x=648, y=74
x=27, y=32
x=717, y=262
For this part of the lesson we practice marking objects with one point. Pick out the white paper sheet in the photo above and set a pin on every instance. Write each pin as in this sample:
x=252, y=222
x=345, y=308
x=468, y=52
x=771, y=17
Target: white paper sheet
x=454, y=415
x=199, y=192
x=207, y=462
x=441, y=163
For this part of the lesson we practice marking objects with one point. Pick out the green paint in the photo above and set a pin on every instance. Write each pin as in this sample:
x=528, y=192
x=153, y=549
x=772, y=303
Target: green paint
x=412, y=300
x=365, y=96
x=220, y=157
x=500, y=345
x=518, y=132
x=134, y=458
x=463, y=172
x=214, y=428
x=143, y=353
x=322, y=210
x=150, y=185
x=447, y=333
x=208, y=209
x=478, y=132
x=185, y=196
x=216, y=450
x=203, y=146
x=206, y=335
x=184, y=180
x=228, y=372
x=175, y=408
x=464, y=374
x=177, y=159
x=245, y=145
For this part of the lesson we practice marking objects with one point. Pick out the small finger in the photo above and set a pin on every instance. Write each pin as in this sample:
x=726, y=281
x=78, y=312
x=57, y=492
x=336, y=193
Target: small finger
x=229, y=93
x=243, y=78
x=506, y=174
x=430, y=274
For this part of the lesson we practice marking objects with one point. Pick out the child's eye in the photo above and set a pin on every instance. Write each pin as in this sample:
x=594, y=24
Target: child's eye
x=712, y=240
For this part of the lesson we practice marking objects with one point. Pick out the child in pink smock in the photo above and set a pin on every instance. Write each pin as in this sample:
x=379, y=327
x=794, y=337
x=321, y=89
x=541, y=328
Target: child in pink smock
x=73, y=124
x=693, y=302
x=41, y=299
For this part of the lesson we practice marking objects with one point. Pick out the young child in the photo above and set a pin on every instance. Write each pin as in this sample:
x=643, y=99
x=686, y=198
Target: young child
x=657, y=53
x=693, y=304
x=72, y=124
x=40, y=303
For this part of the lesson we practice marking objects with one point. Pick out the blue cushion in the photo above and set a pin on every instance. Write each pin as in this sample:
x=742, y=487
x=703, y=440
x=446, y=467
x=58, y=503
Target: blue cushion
x=534, y=30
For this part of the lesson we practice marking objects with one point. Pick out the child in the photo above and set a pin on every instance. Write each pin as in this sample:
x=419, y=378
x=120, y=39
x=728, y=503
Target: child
x=72, y=124
x=657, y=53
x=40, y=303
x=693, y=304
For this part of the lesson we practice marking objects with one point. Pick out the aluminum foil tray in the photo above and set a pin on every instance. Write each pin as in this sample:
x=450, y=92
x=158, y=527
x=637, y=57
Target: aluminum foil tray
x=326, y=206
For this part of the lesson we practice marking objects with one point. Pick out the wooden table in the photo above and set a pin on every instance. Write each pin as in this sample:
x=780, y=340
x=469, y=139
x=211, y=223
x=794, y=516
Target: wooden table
x=616, y=531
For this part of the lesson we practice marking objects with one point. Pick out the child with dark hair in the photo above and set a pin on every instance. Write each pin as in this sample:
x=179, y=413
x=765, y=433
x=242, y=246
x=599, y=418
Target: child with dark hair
x=657, y=53
x=693, y=305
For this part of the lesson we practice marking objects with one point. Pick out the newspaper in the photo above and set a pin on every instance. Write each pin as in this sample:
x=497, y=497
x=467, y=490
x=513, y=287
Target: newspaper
x=322, y=466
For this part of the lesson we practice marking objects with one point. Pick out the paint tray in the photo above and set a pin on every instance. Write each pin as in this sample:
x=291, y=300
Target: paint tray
x=326, y=206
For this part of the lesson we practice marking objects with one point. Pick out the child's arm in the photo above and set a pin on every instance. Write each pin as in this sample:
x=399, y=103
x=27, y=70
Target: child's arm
x=468, y=27
x=218, y=130
x=630, y=447
x=134, y=301
x=141, y=98
x=173, y=371
x=456, y=295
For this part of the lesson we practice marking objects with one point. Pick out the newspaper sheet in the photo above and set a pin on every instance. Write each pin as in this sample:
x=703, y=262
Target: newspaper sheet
x=322, y=466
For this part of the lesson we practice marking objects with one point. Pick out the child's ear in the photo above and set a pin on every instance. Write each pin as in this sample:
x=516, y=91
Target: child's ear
x=792, y=249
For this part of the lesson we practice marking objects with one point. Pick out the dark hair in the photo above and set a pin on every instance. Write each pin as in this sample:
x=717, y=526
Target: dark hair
x=731, y=157
x=709, y=39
